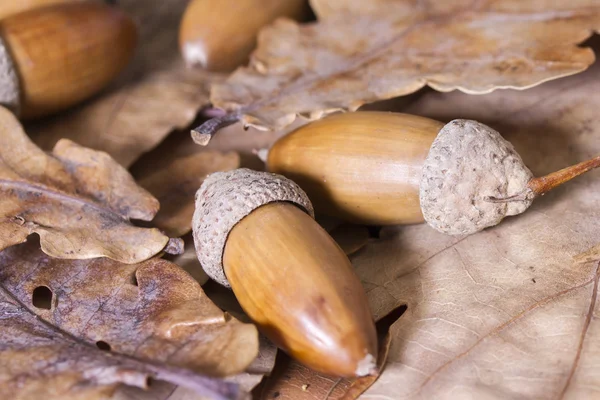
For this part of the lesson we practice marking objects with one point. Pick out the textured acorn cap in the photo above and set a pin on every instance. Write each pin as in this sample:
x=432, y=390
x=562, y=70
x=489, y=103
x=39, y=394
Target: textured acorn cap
x=224, y=199
x=468, y=164
x=9, y=81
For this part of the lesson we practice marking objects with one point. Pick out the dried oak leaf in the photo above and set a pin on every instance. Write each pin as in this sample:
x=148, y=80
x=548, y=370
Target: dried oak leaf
x=174, y=180
x=79, y=201
x=152, y=320
x=509, y=312
x=293, y=381
x=155, y=95
x=174, y=170
x=261, y=366
x=360, y=52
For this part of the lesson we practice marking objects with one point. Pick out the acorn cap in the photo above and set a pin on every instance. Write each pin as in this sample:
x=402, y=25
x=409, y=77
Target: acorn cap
x=469, y=164
x=224, y=199
x=9, y=81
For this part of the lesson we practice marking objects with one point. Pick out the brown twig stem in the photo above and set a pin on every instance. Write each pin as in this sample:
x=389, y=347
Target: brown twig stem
x=544, y=184
x=203, y=133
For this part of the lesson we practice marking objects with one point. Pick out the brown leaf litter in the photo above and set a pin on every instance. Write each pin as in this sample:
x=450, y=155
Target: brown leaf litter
x=360, y=52
x=79, y=201
x=73, y=329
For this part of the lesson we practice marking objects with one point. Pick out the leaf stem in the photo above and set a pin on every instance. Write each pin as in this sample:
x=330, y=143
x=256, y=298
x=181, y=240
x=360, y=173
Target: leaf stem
x=543, y=184
x=203, y=133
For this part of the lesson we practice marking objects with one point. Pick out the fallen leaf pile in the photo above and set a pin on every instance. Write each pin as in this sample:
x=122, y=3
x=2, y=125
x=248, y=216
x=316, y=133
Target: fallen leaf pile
x=97, y=302
x=83, y=328
x=359, y=52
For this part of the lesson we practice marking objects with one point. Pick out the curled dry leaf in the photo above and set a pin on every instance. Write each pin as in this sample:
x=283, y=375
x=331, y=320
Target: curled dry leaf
x=152, y=319
x=509, y=311
x=360, y=52
x=79, y=201
x=155, y=95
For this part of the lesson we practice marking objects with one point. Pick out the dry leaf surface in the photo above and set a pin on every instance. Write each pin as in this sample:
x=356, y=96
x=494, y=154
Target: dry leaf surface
x=174, y=181
x=155, y=95
x=351, y=238
x=175, y=170
x=188, y=260
x=262, y=365
x=360, y=52
x=509, y=312
x=79, y=201
x=56, y=315
x=293, y=381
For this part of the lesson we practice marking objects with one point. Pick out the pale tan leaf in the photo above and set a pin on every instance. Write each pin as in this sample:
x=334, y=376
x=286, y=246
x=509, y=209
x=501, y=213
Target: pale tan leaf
x=509, y=312
x=79, y=201
x=400, y=9
x=151, y=319
x=397, y=47
x=155, y=95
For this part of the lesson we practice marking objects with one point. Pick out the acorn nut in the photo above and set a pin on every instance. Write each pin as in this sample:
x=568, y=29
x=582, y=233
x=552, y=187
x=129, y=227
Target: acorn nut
x=382, y=168
x=10, y=7
x=56, y=56
x=220, y=35
x=255, y=232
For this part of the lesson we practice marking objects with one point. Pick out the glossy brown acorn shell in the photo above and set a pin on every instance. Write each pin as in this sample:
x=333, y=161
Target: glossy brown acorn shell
x=298, y=286
x=10, y=7
x=363, y=167
x=225, y=31
x=67, y=52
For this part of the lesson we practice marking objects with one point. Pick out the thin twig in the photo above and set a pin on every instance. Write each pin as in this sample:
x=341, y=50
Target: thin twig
x=203, y=133
x=539, y=186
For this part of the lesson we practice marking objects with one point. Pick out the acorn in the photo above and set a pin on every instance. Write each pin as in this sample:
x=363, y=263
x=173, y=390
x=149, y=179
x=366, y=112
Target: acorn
x=10, y=7
x=56, y=56
x=255, y=233
x=379, y=168
x=220, y=35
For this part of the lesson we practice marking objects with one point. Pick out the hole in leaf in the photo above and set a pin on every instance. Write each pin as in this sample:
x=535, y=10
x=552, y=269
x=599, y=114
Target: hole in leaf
x=149, y=381
x=42, y=297
x=383, y=325
x=102, y=345
x=134, y=280
x=374, y=231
